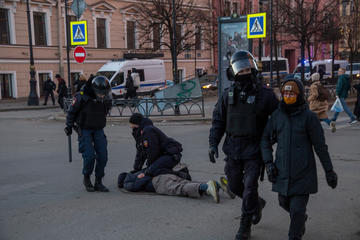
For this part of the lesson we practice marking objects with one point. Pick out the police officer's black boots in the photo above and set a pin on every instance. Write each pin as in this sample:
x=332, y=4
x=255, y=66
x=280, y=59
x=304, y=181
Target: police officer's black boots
x=244, y=231
x=258, y=214
x=99, y=186
x=88, y=185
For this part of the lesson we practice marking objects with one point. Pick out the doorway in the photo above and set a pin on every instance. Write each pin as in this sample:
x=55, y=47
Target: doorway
x=6, y=85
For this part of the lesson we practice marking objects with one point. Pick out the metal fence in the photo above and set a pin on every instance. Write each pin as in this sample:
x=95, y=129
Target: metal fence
x=158, y=107
x=153, y=106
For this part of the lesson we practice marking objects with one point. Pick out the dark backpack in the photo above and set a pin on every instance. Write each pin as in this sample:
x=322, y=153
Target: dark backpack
x=323, y=93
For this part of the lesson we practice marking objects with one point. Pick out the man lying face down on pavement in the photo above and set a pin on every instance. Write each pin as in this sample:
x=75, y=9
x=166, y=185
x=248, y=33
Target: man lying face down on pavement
x=161, y=155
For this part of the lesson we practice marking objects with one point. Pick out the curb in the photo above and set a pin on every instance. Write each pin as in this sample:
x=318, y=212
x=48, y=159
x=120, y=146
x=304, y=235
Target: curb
x=154, y=119
x=14, y=109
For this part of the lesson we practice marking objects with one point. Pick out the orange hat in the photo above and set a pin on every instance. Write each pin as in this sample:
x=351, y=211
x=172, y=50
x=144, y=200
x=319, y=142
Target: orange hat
x=290, y=86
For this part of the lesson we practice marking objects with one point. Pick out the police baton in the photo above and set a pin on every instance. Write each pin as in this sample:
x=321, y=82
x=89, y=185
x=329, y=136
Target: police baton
x=70, y=150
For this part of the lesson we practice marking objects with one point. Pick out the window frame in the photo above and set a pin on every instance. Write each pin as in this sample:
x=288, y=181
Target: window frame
x=47, y=19
x=11, y=23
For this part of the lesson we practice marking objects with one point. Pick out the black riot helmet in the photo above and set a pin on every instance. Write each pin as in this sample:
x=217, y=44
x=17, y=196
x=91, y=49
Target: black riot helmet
x=243, y=63
x=101, y=87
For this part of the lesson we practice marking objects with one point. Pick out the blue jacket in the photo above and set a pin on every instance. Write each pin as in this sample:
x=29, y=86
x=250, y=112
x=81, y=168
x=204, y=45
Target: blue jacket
x=343, y=86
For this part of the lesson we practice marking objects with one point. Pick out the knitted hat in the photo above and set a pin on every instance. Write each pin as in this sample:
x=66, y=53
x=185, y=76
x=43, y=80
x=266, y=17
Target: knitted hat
x=136, y=118
x=315, y=77
x=290, y=86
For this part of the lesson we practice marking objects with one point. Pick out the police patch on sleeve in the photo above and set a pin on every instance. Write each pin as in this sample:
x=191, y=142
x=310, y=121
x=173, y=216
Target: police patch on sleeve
x=145, y=143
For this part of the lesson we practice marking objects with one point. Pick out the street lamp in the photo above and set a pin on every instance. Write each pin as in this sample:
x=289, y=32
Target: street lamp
x=33, y=99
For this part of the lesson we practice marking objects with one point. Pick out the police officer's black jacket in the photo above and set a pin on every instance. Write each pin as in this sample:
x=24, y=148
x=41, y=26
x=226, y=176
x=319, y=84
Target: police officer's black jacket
x=140, y=150
x=157, y=144
x=296, y=133
x=243, y=147
x=86, y=111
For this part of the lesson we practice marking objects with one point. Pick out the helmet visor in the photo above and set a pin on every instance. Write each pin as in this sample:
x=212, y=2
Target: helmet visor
x=243, y=66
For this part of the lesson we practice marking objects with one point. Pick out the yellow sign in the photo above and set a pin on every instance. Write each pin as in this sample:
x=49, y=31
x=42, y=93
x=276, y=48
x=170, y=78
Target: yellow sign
x=256, y=25
x=78, y=33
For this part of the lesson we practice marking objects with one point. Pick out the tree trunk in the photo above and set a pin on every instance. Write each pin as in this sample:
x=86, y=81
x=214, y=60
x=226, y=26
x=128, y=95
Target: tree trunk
x=302, y=49
x=310, y=59
x=332, y=59
x=276, y=61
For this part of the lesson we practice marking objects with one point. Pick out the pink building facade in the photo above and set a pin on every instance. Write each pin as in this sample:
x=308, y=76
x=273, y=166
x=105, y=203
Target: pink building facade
x=111, y=34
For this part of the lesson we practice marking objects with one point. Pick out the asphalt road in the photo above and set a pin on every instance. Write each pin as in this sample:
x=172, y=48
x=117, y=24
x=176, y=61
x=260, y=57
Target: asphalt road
x=42, y=197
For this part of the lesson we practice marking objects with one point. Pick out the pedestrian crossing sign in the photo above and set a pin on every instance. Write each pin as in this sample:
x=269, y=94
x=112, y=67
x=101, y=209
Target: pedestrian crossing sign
x=78, y=31
x=256, y=25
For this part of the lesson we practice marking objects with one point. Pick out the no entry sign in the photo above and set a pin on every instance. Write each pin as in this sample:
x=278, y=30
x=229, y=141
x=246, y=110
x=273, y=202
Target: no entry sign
x=79, y=54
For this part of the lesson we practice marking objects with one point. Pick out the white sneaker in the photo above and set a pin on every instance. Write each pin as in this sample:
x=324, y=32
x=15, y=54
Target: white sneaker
x=333, y=126
x=354, y=121
x=212, y=190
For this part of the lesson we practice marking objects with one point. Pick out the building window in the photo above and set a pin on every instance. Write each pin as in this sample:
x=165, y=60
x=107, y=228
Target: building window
x=39, y=28
x=198, y=38
x=179, y=35
x=156, y=36
x=227, y=8
x=6, y=86
x=130, y=31
x=235, y=7
x=344, y=4
x=4, y=26
x=101, y=32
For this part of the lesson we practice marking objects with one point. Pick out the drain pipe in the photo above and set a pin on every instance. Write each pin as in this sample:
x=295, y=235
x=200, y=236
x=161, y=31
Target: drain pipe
x=60, y=38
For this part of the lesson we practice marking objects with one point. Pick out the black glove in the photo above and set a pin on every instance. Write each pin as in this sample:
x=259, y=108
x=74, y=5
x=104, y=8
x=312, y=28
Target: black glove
x=213, y=152
x=68, y=131
x=271, y=171
x=331, y=178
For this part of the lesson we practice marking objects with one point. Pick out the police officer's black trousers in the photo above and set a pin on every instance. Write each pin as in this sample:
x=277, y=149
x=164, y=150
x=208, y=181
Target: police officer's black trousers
x=47, y=93
x=243, y=178
x=93, y=147
x=296, y=206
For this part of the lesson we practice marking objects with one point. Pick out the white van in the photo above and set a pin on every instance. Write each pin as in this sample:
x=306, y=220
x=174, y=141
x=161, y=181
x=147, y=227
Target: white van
x=325, y=65
x=355, y=70
x=282, y=63
x=151, y=72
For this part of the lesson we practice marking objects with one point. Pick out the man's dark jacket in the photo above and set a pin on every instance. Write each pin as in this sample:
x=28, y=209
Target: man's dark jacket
x=242, y=148
x=140, y=150
x=296, y=134
x=157, y=144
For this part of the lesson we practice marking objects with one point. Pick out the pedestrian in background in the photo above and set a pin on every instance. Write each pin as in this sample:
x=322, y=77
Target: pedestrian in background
x=342, y=89
x=318, y=100
x=49, y=88
x=129, y=86
x=297, y=131
x=357, y=104
x=62, y=90
x=80, y=82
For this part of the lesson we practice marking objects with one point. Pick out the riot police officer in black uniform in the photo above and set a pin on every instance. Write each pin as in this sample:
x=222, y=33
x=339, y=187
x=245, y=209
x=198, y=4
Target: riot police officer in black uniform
x=87, y=115
x=242, y=112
